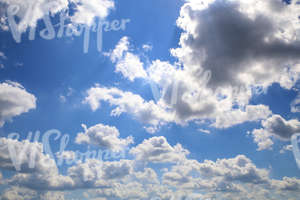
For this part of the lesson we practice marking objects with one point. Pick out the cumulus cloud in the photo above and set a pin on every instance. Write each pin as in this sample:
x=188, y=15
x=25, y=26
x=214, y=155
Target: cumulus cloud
x=88, y=174
x=125, y=179
x=275, y=127
x=127, y=63
x=15, y=193
x=158, y=150
x=36, y=170
x=23, y=156
x=185, y=105
x=222, y=175
x=145, y=111
x=286, y=148
x=214, y=83
x=295, y=105
x=87, y=10
x=103, y=136
x=241, y=42
x=14, y=100
x=2, y=57
x=30, y=12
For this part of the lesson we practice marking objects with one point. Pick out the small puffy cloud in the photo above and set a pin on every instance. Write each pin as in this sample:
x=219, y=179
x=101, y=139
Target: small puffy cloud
x=295, y=105
x=2, y=56
x=147, y=47
x=14, y=100
x=127, y=63
x=103, y=136
x=262, y=139
x=286, y=148
x=275, y=126
x=158, y=150
x=68, y=93
x=87, y=10
x=204, y=131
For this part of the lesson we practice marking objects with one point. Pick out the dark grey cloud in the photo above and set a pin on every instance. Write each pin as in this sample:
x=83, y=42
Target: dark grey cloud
x=229, y=42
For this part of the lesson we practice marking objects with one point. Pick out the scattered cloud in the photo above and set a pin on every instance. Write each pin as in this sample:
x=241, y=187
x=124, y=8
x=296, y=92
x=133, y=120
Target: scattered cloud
x=30, y=12
x=158, y=150
x=125, y=179
x=14, y=101
x=128, y=64
x=103, y=136
x=286, y=148
x=275, y=127
x=147, y=47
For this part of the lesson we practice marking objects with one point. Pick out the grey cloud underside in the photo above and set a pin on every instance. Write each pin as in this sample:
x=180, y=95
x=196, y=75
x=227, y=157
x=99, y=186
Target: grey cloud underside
x=231, y=42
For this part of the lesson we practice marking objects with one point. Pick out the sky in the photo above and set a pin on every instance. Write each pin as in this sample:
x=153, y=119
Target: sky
x=149, y=100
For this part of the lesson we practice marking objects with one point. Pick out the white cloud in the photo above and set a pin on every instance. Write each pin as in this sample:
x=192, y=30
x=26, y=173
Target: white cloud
x=262, y=139
x=2, y=56
x=158, y=150
x=147, y=47
x=243, y=43
x=128, y=64
x=36, y=170
x=275, y=127
x=286, y=148
x=14, y=100
x=16, y=193
x=204, y=131
x=251, y=113
x=145, y=111
x=30, y=12
x=87, y=10
x=103, y=136
x=68, y=93
x=226, y=178
x=86, y=175
x=295, y=105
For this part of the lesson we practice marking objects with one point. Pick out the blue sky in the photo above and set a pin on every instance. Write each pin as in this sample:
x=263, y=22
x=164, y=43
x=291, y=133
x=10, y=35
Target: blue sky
x=221, y=139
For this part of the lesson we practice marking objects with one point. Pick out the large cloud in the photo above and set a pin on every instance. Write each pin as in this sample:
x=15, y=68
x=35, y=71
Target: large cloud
x=241, y=42
x=14, y=100
x=228, y=50
x=125, y=179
